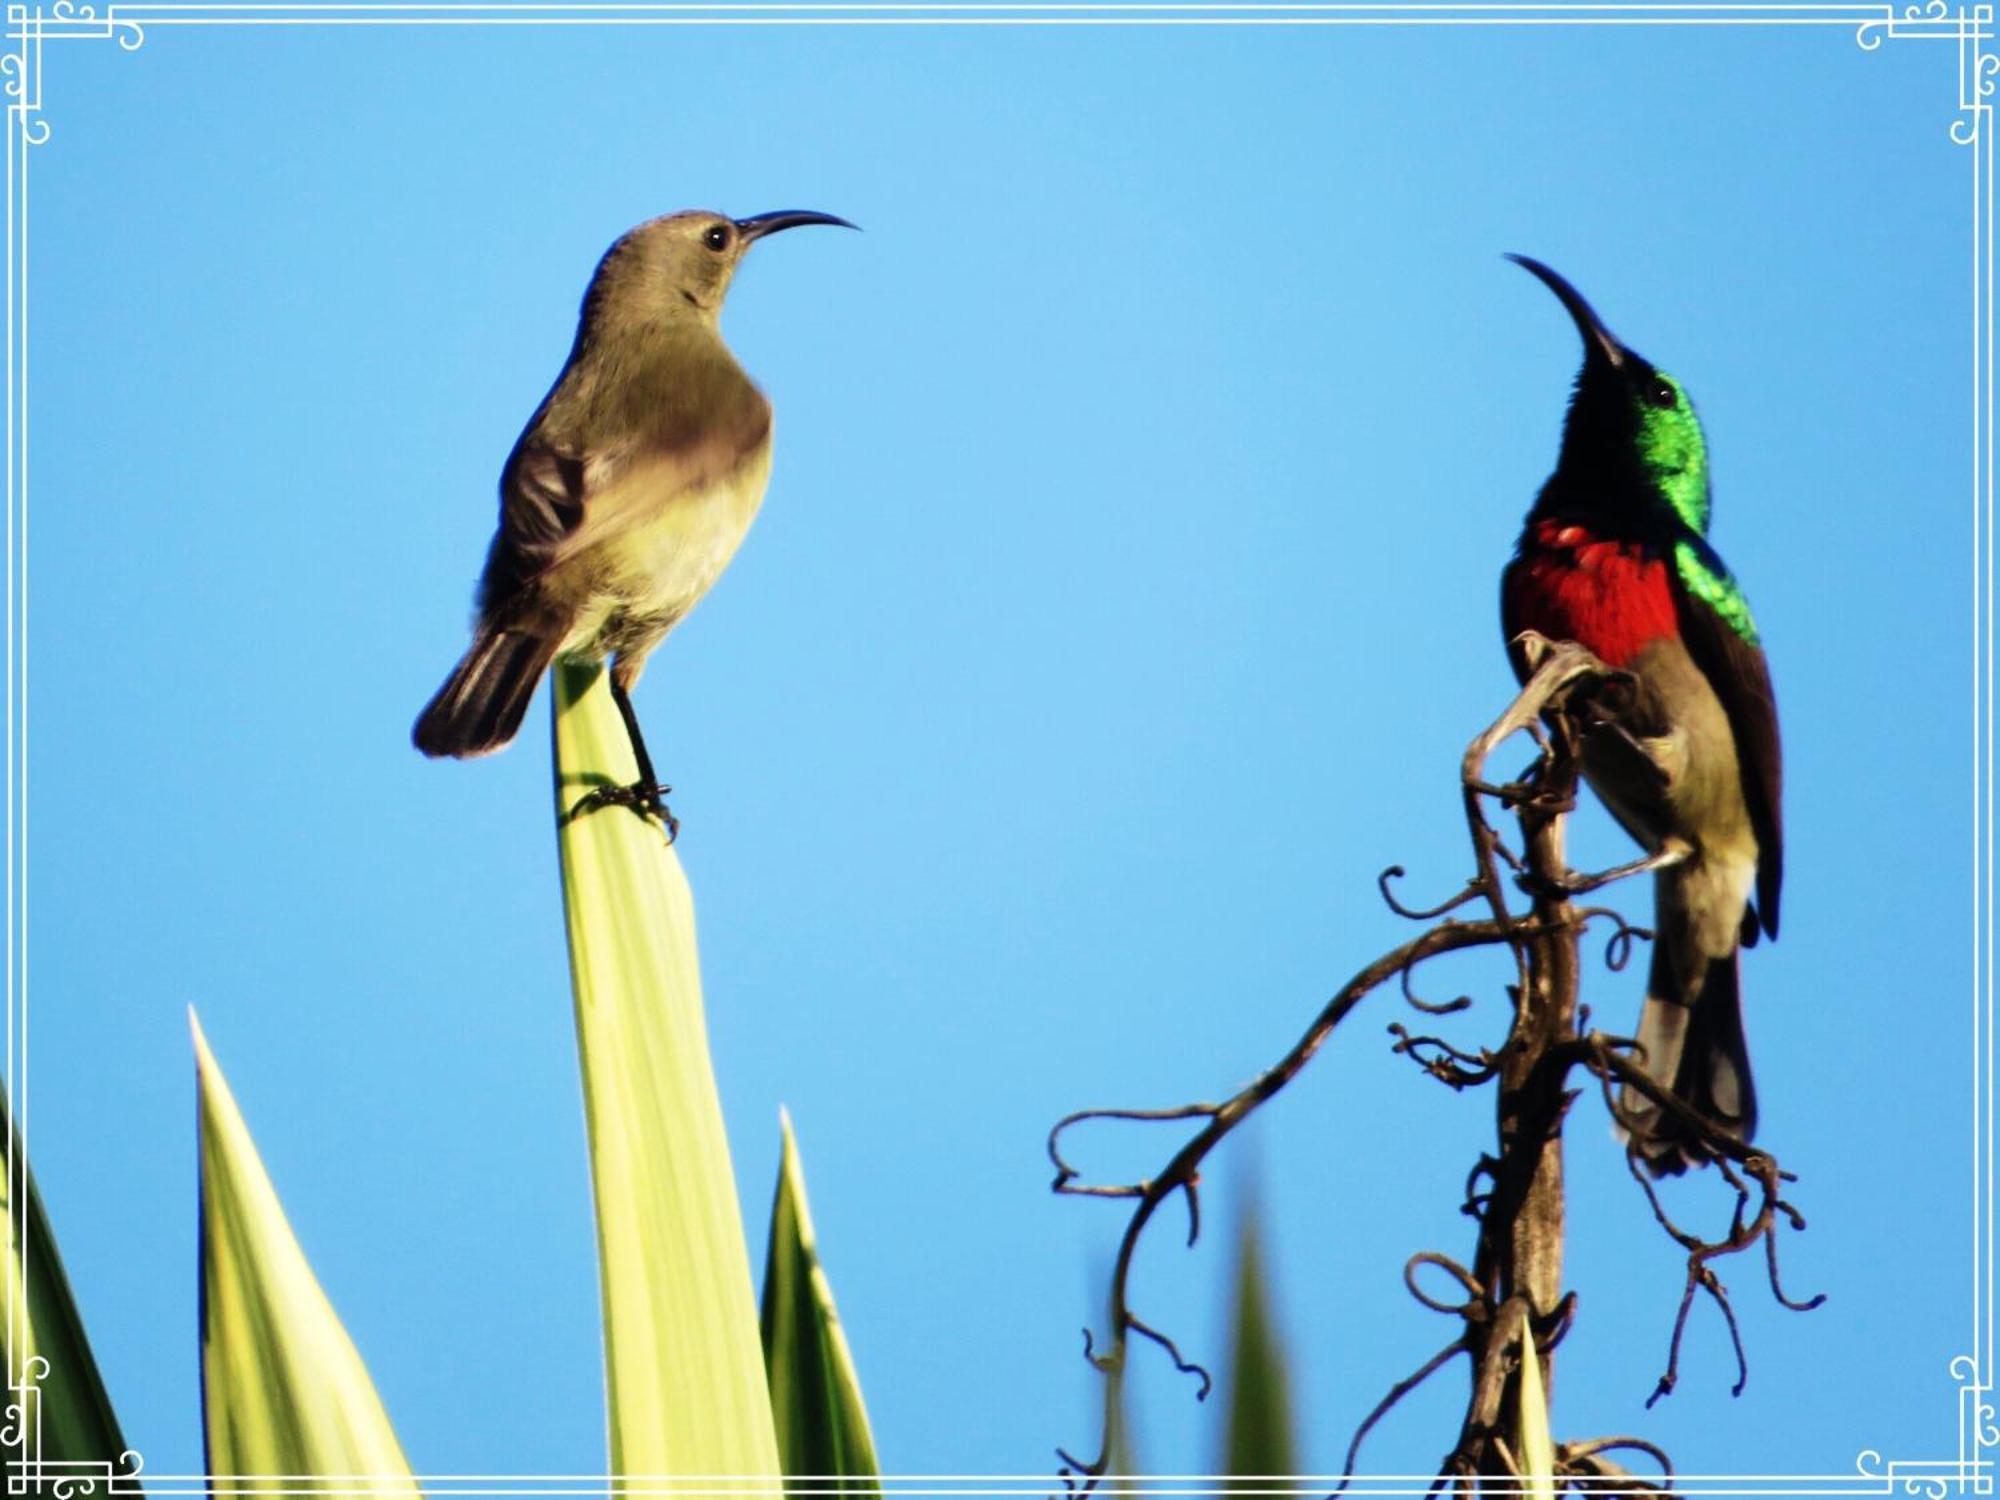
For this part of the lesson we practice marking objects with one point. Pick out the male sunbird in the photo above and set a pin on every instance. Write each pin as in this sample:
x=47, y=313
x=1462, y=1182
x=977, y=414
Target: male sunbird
x=1614, y=556
x=627, y=493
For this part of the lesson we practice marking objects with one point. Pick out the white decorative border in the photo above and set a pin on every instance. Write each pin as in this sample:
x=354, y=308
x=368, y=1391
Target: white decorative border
x=1969, y=27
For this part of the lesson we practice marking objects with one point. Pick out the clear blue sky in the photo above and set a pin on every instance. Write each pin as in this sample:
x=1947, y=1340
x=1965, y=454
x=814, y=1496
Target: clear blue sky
x=1124, y=596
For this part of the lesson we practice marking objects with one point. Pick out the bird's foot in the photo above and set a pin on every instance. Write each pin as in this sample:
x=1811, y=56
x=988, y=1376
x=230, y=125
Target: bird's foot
x=1546, y=888
x=647, y=799
x=1567, y=883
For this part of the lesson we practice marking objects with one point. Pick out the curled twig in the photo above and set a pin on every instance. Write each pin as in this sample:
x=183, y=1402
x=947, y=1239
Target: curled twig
x=1618, y=946
x=1771, y=1266
x=1090, y=1354
x=1182, y=1363
x=1476, y=1301
x=1587, y=1460
x=1634, y=1164
x=1422, y=914
x=1591, y=1448
x=1067, y=1175
x=1443, y=1061
x=1700, y=1278
x=1396, y=1393
x=1475, y=1200
x=1550, y=1331
x=1433, y=1007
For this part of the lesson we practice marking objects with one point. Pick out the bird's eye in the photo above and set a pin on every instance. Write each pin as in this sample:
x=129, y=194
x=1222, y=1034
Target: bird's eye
x=1660, y=394
x=717, y=237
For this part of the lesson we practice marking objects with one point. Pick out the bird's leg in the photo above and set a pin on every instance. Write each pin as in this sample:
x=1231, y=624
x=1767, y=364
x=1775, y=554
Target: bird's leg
x=1570, y=883
x=648, y=795
x=650, y=791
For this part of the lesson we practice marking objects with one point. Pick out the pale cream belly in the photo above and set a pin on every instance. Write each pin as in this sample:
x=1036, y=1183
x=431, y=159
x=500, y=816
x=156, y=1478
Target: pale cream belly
x=1691, y=794
x=647, y=576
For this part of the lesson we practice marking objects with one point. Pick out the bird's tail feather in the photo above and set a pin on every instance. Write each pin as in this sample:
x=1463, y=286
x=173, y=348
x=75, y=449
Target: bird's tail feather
x=1694, y=1045
x=480, y=707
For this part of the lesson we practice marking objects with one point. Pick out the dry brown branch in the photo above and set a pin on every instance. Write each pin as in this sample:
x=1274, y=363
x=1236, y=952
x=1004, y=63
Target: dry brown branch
x=1180, y=1174
x=1606, y=1058
x=1512, y=1290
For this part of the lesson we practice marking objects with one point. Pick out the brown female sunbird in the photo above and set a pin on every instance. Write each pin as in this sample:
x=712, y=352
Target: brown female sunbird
x=627, y=493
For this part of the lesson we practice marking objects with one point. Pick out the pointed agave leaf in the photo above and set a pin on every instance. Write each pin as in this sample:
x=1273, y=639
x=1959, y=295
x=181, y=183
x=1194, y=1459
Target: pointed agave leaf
x=284, y=1391
x=1532, y=1442
x=70, y=1420
x=1260, y=1440
x=815, y=1396
x=683, y=1366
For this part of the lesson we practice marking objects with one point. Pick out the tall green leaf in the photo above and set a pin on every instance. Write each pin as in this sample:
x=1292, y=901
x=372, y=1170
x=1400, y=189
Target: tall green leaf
x=1532, y=1443
x=1260, y=1440
x=815, y=1396
x=683, y=1366
x=284, y=1391
x=71, y=1420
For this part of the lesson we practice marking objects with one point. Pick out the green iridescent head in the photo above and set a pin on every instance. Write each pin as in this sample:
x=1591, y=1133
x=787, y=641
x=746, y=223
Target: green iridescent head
x=1632, y=437
x=1670, y=446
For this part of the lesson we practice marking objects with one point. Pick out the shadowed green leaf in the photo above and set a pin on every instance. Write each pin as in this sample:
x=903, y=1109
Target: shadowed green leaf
x=1259, y=1440
x=815, y=1397
x=1121, y=1437
x=46, y=1344
x=283, y=1390
x=683, y=1366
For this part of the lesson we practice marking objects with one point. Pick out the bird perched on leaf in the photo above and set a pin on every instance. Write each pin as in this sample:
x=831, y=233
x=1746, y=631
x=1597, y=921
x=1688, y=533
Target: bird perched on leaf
x=627, y=493
x=1614, y=556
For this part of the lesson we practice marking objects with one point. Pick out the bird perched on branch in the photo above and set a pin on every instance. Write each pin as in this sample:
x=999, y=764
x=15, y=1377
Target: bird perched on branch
x=626, y=495
x=1615, y=556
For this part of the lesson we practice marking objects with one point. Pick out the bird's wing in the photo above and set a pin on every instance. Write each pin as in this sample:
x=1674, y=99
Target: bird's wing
x=1717, y=629
x=545, y=493
x=557, y=499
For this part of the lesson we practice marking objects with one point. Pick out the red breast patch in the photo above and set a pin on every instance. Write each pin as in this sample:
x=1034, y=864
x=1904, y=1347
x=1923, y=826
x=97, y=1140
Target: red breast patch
x=1607, y=596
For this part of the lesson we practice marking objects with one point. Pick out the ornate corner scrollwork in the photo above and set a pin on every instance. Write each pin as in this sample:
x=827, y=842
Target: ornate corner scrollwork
x=29, y=28
x=68, y=18
x=28, y=1473
x=1971, y=26
x=1976, y=88
x=1926, y=1479
x=1970, y=1473
x=1899, y=23
x=74, y=1481
x=1979, y=1431
x=20, y=82
x=73, y=19
x=21, y=1432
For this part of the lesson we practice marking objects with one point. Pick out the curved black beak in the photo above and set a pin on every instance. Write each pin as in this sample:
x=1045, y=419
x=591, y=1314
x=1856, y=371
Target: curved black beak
x=758, y=225
x=1597, y=339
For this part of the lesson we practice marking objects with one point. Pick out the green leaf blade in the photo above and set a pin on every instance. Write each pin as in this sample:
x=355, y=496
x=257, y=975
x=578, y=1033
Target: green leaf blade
x=816, y=1402
x=1532, y=1442
x=684, y=1369
x=284, y=1391
x=72, y=1420
x=1260, y=1439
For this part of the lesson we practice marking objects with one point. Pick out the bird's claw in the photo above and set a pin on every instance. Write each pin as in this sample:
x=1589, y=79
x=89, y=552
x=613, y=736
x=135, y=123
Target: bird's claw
x=1567, y=883
x=648, y=800
x=1551, y=888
